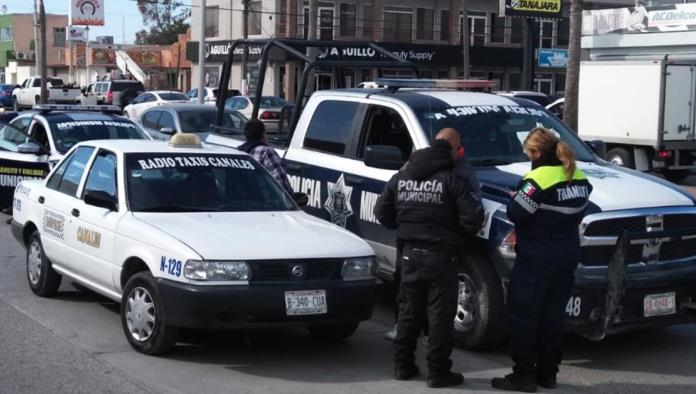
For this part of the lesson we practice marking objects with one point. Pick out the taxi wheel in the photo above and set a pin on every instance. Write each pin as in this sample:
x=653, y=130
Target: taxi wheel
x=480, y=318
x=333, y=332
x=142, y=316
x=43, y=280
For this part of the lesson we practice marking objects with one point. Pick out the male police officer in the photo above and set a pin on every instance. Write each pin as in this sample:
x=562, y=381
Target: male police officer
x=434, y=210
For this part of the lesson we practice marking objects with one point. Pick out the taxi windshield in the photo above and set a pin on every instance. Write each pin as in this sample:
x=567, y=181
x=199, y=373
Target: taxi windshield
x=170, y=182
x=494, y=134
x=67, y=133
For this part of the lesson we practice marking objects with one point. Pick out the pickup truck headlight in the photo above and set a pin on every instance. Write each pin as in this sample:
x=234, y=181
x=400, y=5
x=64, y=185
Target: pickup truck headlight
x=359, y=268
x=217, y=270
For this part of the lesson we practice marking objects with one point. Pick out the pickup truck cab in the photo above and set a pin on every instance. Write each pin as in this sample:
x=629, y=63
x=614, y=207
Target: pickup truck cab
x=177, y=233
x=29, y=93
x=36, y=140
x=348, y=143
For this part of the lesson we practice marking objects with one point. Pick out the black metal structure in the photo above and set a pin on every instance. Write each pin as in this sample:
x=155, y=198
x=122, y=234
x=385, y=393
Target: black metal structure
x=288, y=47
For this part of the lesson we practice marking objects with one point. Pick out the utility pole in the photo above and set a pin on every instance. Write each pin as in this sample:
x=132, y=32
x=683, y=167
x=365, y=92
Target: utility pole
x=466, y=37
x=70, y=47
x=44, y=69
x=312, y=35
x=377, y=28
x=201, y=56
x=37, y=56
x=526, y=78
x=290, y=31
x=245, y=52
x=570, y=110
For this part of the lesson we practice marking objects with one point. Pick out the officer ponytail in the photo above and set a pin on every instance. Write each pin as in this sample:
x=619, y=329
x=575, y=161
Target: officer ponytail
x=546, y=143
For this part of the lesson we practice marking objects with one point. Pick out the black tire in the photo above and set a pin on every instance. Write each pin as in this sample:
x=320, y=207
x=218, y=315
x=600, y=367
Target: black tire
x=676, y=176
x=37, y=100
x=147, y=337
x=622, y=157
x=15, y=104
x=127, y=96
x=43, y=280
x=333, y=332
x=480, y=319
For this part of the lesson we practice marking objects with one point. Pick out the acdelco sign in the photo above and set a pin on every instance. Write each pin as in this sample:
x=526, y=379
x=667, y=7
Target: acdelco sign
x=672, y=17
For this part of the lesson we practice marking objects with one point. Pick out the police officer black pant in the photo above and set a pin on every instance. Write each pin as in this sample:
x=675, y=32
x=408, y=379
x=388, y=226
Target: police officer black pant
x=428, y=295
x=540, y=284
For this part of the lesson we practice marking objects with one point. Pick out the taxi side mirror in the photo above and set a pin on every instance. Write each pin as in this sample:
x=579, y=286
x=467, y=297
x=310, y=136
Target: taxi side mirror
x=101, y=199
x=301, y=199
x=386, y=157
x=167, y=130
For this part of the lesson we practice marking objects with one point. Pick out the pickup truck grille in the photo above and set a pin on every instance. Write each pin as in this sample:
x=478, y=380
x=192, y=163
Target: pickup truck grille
x=280, y=271
x=599, y=233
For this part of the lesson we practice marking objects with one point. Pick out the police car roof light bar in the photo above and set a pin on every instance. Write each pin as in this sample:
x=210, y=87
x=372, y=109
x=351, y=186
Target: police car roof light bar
x=458, y=84
x=77, y=108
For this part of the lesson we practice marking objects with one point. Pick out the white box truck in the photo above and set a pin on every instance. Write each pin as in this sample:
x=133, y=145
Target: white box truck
x=643, y=110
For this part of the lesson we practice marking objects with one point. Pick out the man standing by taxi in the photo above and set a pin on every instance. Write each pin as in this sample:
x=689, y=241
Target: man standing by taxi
x=433, y=210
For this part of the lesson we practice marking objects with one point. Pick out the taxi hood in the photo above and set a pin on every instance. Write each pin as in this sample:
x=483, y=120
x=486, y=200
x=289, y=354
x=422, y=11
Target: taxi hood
x=258, y=235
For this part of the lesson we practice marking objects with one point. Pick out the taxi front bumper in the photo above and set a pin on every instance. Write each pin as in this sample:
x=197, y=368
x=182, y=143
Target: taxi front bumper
x=261, y=305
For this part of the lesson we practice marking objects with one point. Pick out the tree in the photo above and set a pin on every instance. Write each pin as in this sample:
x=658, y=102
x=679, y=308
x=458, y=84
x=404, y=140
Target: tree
x=165, y=19
x=570, y=110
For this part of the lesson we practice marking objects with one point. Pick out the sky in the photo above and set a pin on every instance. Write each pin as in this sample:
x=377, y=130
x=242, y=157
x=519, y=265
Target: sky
x=122, y=16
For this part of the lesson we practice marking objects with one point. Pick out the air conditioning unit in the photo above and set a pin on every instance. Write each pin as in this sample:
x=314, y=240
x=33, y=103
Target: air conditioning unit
x=22, y=56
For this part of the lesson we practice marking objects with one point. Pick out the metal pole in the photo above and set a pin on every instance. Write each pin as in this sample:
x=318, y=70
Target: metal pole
x=37, y=55
x=201, y=56
x=44, y=69
x=245, y=53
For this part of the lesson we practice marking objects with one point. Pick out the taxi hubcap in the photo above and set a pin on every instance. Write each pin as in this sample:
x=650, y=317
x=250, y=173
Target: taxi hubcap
x=140, y=314
x=467, y=311
x=34, y=263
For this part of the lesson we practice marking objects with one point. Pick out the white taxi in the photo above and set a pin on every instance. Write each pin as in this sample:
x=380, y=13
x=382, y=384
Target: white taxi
x=190, y=236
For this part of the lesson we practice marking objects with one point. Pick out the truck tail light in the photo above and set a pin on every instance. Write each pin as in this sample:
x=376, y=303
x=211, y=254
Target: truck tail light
x=110, y=97
x=664, y=154
x=269, y=115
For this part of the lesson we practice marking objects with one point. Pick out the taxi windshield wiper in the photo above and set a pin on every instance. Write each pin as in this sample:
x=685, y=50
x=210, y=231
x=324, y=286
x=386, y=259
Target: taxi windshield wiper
x=177, y=208
x=490, y=162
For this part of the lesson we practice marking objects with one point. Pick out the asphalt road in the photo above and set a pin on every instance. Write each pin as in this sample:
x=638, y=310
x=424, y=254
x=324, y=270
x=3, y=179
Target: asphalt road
x=73, y=343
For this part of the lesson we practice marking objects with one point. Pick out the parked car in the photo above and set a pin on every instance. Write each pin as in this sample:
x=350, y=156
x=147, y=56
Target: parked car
x=269, y=108
x=6, y=95
x=120, y=92
x=150, y=99
x=29, y=93
x=538, y=97
x=556, y=107
x=210, y=95
x=163, y=121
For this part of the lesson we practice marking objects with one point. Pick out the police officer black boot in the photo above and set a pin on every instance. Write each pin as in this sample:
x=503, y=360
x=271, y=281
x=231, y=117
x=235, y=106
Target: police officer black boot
x=406, y=372
x=449, y=379
x=546, y=381
x=516, y=382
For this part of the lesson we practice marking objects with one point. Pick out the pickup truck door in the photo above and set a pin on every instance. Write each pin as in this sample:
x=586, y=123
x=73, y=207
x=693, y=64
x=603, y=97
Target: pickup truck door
x=15, y=166
x=92, y=241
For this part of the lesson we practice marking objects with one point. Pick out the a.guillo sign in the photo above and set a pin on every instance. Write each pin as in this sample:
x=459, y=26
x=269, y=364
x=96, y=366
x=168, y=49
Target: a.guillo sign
x=531, y=8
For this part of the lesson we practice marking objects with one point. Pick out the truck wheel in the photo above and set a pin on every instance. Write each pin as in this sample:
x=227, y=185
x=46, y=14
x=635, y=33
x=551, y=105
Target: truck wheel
x=15, y=104
x=142, y=316
x=621, y=157
x=479, y=322
x=333, y=332
x=43, y=280
x=37, y=100
x=676, y=176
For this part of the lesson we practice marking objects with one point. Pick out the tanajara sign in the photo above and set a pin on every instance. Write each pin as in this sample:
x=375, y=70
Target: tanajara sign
x=531, y=8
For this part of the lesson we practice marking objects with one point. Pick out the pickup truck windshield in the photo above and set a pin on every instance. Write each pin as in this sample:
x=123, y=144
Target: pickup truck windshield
x=170, y=182
x=67, y=133
x=493, y=134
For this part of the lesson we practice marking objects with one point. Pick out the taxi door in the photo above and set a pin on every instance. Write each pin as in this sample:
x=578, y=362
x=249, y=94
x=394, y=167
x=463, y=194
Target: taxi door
x=18, y=161
x=94, y=221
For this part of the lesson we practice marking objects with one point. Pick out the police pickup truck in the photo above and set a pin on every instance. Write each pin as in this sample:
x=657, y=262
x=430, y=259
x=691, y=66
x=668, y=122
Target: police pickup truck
x=35, y=140
x=348, y=143
x=178, y=234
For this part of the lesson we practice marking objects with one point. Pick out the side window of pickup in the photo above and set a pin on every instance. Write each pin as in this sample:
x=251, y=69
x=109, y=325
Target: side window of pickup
x=333, y=126
x=384, y=126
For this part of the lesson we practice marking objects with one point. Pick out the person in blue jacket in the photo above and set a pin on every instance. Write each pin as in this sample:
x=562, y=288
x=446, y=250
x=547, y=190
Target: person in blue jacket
x=546, y=209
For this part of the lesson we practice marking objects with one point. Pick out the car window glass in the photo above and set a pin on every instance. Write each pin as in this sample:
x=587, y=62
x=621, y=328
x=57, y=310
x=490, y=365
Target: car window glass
x=124, y=85
x=37, y=83
x=384, y=126
x=11, y=138
x=21, y=123
x=40, y=135
x=68, y=132
x=151, y=118
x=166, y=121
x=102, y=175
x=193, y=93
x=332, y=126
x=172, y=96
x=138, y=99
x=72, y=174
x=57, y=175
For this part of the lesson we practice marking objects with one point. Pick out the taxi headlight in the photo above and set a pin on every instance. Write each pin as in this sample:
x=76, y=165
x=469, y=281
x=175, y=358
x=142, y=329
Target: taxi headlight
x=359, y=268
x=217, y=270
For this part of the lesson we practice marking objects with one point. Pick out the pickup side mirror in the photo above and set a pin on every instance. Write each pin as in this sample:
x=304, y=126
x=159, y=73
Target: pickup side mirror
x=101, y=199
x=301, y=199
x=598, y=147
x=167, y=130
x=31, y=148
x=386, y=157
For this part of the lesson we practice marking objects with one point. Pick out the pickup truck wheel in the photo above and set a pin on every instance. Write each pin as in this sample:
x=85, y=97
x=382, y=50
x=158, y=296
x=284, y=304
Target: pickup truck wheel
x=15, y=104
x=480, y=317
x=142, y=316
x=43, y=280
x=676, y=176
x=37, y=100
x=333, y=332
x=621, y=157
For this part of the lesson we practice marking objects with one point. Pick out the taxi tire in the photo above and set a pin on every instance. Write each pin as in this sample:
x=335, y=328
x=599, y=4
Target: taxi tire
x=49, y=279
x=488, y=329
x=164, y=337
x=333, y=332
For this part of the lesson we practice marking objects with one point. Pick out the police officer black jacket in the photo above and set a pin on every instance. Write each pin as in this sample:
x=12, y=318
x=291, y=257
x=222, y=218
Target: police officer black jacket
x=424, y=196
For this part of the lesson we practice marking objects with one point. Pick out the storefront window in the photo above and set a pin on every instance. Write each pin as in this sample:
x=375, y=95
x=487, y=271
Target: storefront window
x=367, y=21
x=424, y=23
x=255, y=27
x=212, y=21
x=477, y=27
x=444, y=25
x=514, y=82
x=326, y=23
x=497, y=28
x=516, y=30
x=543, y=83
x=560, y=82
x=562, y=32
x=398, y=24
x=348, y=15
x=545, y=34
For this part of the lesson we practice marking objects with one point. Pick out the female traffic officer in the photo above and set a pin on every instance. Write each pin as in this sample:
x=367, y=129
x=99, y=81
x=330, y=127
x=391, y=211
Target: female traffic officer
x=546, y=210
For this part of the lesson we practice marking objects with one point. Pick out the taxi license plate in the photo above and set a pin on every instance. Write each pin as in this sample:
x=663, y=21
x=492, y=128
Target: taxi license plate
x=305, y=302
x=659, y=304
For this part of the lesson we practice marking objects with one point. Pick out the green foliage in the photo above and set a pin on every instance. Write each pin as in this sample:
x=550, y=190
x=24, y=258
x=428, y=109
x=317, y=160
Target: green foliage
x=164, y=19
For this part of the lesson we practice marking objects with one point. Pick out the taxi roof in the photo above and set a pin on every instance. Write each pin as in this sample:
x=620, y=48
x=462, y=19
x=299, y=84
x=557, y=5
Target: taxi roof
x=153, y=146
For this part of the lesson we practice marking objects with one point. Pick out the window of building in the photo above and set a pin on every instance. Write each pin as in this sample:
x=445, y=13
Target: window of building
x=332, y=127
x=255, y=27
x=498, y=28
x=425, y=19
x=282, y=19
x=444, y=25
x=562, y=32
x=326, y=23
x=367, y=21
x=398, y=24
x=348, y=17
x=59, y=37
x=305, y=23
x=477, y=27
x=545, y=34
x=212, y=21
x=516, y=27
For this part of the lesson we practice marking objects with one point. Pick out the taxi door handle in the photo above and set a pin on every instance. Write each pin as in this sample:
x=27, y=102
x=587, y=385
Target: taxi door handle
x=354, y=179
x=75, y=212
x=41, y=199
